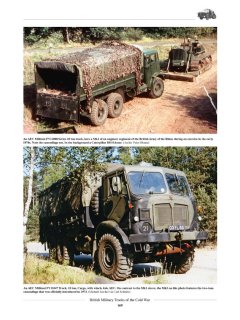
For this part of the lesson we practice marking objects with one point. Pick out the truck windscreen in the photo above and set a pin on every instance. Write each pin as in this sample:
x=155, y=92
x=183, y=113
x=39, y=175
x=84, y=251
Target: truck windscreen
x=142, y=182
x=178, y=184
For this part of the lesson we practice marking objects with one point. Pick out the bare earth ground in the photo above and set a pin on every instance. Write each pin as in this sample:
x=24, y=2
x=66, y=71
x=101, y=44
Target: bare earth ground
x=203, y=271
x=183, y=108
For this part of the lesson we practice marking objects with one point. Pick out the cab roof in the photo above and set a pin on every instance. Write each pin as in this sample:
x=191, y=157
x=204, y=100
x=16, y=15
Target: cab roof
x=112, y=167
x=149, y=51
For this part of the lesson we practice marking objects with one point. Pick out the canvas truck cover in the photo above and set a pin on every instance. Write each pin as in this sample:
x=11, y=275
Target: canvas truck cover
x=68, y=196
x=104, y=63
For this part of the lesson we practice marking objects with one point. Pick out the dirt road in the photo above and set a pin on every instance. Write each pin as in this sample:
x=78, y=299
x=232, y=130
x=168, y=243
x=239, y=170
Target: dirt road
x=183, y=108
x=203, y=271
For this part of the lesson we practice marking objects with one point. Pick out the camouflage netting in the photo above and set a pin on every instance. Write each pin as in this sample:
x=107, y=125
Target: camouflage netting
x=68, y=196
x=62, y=198
x=107, y=62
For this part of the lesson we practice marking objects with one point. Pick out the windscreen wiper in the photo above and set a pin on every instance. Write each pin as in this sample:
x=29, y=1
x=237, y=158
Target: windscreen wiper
x=140, y=182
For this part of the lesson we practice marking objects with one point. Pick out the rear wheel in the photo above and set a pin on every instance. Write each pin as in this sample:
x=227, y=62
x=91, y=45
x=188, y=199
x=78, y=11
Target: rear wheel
x=115, y=104
x=62, y=255
x=53, y=254
x=157, y=88
x=111, y=260
x=99, y=112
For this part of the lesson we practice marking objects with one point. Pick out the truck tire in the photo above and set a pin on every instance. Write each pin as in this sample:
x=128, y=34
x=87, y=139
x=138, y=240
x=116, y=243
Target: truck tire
x=94, y=208
x=53, y=254
x=94, y=203
x=157, y=88
x=111, y=260
x=115, y=104
x=99, y=112
x=180, y=263
x=62, y=255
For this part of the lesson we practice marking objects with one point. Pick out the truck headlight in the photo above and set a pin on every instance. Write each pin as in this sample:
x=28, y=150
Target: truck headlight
x=136, y=219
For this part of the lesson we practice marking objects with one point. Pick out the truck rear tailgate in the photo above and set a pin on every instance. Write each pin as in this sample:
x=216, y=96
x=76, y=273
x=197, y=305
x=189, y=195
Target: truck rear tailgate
x=57, y=107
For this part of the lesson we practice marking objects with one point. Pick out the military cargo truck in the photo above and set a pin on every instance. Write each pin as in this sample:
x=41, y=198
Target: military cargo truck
x=123, y=215
x=94, y=82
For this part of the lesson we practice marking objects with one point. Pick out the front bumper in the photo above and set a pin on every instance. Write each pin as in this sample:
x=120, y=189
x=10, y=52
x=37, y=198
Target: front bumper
x=168, y=237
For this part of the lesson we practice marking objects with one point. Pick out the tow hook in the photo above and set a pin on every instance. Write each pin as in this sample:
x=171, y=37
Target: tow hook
x=178, y=236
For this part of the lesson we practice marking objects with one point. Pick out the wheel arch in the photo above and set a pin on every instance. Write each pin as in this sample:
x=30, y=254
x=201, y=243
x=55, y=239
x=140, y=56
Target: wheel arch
x=112, y=227
x=157, y=75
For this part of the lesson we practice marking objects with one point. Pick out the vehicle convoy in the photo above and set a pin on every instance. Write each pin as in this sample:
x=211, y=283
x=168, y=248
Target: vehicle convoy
x=94, y=82
x=190, y=58
x=122, y=215
x=207, y=14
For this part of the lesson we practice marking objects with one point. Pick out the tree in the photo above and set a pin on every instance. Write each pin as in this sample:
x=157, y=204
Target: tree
x=30, y=183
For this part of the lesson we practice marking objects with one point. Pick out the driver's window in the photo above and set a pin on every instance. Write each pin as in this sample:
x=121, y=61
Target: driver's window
x=147, y=61
x=153, y=58
x=117, y=185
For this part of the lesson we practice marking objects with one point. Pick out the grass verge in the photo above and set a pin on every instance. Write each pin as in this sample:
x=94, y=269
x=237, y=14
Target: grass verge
x=39, y=271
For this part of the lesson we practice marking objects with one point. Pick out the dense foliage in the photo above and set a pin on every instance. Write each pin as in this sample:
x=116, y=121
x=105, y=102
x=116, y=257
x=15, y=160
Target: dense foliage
x=199, y=164
x=34, y=35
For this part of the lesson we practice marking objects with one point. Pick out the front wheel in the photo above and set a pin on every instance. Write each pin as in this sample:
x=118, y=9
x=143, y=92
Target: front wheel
x=157, y=88
x=111, y=260
x=99, y=112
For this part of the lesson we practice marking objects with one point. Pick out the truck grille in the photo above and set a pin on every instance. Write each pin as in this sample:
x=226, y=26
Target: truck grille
x=164, y=215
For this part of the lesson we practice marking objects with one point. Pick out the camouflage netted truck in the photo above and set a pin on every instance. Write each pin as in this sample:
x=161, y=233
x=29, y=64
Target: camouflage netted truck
x=124, y=215
x=94, y=82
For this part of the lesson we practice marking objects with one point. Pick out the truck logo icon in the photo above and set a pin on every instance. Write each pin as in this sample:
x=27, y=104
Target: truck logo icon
x=207, y=14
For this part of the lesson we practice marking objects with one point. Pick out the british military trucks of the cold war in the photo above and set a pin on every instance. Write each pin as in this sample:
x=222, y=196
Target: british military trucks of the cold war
x=94, y=82
x=124, y=215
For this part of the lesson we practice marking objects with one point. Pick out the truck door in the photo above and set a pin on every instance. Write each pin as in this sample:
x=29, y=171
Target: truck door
x=115, y=197
x=151, y=65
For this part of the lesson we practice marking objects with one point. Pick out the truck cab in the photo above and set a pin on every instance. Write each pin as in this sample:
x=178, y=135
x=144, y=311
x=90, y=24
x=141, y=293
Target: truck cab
x=159, y=199
x=151, y=65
